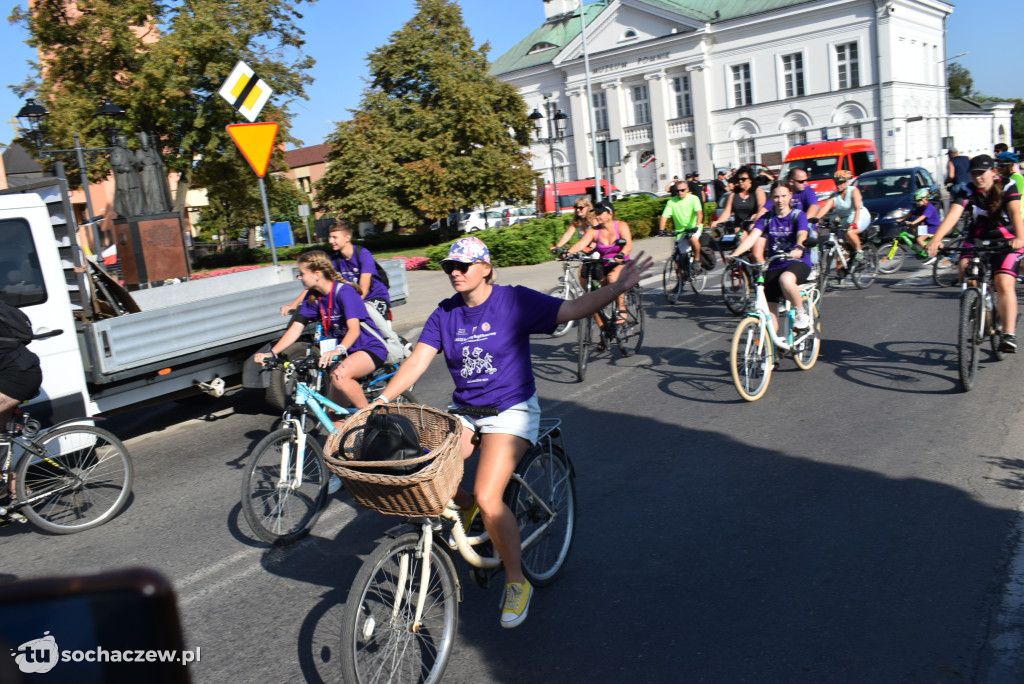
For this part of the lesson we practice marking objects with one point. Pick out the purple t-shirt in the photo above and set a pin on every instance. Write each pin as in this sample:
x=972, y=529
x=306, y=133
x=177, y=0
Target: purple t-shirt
x=487, y=347
x=781, y=235
x=346, y=304
x=930, y=213
x=803, y=200
x=361, y=262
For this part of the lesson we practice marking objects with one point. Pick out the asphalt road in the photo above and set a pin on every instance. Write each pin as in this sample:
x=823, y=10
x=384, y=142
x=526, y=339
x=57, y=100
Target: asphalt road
x=855, y=525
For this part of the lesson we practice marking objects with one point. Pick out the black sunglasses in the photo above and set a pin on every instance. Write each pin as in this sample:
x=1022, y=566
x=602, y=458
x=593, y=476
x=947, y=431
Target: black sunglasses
x=743, y=178
x=682, y=190
x=450, y=267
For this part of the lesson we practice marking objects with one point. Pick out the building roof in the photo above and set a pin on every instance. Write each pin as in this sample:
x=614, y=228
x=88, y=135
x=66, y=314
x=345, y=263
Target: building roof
x=307, y=156
x=17, y=160
x=561, y=30
x=962, y=105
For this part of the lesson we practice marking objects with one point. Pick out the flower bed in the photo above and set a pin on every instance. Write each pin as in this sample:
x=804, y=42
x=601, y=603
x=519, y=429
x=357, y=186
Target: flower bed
x=225, y=271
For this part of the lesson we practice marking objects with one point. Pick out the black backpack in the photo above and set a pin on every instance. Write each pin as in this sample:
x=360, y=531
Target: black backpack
x=16, y=327
x=381, y=274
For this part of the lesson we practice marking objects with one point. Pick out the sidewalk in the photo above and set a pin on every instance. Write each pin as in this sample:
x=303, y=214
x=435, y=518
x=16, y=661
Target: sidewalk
x=428, y=288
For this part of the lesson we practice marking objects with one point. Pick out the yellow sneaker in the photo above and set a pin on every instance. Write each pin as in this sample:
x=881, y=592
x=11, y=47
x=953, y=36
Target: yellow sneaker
x=517, y=603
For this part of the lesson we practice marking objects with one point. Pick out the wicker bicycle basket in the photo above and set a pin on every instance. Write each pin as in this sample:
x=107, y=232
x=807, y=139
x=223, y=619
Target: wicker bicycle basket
x=424, y=492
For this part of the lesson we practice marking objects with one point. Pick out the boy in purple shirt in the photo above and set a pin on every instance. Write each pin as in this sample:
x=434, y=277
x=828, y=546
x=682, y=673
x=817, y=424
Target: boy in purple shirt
x=484, y=333
x=925, y=216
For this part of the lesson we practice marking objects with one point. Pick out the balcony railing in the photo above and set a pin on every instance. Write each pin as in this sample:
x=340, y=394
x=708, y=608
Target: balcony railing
x=637, y=134
x=680, y=127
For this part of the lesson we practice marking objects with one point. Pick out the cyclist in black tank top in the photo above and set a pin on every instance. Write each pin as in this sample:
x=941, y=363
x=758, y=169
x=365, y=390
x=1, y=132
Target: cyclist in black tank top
x=745, y=203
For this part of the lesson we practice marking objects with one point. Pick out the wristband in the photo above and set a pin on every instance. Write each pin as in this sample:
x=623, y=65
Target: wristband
x=383, y=398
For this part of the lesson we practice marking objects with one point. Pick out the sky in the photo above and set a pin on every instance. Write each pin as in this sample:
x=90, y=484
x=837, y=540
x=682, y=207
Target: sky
x=340, y=33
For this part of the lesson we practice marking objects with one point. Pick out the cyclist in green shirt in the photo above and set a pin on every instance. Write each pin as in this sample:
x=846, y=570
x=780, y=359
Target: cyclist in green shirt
x=687, y=214
x=1007, y=164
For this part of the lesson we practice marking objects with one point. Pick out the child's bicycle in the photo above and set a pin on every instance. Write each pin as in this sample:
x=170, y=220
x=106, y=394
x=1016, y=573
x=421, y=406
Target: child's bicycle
x=401, y=616
x=65, y=479
x=284, y=487
x=756, y=346
x=893, y=251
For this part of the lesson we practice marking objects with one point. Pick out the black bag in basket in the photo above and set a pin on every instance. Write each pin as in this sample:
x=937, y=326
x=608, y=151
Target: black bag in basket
x=390, y=437
x=707, y=252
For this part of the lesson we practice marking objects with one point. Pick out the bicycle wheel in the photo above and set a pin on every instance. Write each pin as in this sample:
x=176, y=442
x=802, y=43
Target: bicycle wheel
x=735, y=288
x=996, y=338
x=806, y=353
x=562, y=291
x=751, y=359
x=866, y=272
x=630, y=334
x=823, y=268
x=967, y=338
x=584, y=336
x=698, y=281
x=891, y=255
x=670, y=282
x=378, y=643
x=946, y=270
x=276, y=510
x=82, y=481
x=550, y=481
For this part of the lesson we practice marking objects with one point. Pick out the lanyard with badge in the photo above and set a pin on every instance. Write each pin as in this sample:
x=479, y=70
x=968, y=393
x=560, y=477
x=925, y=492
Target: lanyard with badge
x=328, y=342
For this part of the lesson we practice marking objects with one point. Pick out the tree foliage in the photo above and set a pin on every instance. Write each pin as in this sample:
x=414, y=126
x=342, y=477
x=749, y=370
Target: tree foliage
x=163, y=62
x=434, y=131
x=959, y=81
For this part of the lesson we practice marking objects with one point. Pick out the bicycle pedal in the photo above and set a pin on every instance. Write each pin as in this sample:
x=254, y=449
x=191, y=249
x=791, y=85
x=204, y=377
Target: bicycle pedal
x=12, y=516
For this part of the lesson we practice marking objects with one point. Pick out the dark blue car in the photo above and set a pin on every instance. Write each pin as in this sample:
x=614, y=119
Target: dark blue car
x=889, y=194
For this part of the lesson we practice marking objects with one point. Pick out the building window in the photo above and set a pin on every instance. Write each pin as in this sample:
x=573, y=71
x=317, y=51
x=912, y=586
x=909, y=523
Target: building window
x=798, y=138
x=681, y=87
x=305, y=185
x=741, y=88
x=745, y=152
x=628, y=34
x=600, y=103
x=793, y=75
x=541, y=47
x=641, y=106
x=850, y=131
x=847, y=66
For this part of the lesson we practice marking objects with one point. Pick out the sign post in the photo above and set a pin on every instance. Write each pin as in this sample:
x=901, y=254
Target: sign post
x=304, y=213
x=256, y=142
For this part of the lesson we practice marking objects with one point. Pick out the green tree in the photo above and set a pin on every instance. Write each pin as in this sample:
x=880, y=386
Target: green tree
x=1017, y=122
x=959, y=81
x=163, y=62
x=434, y=131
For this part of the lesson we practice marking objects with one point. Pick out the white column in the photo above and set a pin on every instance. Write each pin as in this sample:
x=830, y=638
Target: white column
x=579, y=117
x=656, y=83
x=616, y=109
x=701, y=120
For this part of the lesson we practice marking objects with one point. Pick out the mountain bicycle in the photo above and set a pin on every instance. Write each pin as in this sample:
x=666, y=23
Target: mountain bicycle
x=569, y=286
x=836, y=255
x=400, y=619
x=284, y=485
x=624, y=327
x=65, y=479
x=680, y=270
x=756, y=345
x=736, y=289
x=979, y=312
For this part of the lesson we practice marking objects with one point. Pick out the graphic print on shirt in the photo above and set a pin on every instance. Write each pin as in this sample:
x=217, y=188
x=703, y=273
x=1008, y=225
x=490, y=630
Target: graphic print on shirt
x=474, y=364
x=477, y=363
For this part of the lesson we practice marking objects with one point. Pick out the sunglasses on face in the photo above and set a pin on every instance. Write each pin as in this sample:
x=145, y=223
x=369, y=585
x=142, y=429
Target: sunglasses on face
x=578, y=208
x=681, y=191
x=801, y=182
x=744, y=178
x=450, y=267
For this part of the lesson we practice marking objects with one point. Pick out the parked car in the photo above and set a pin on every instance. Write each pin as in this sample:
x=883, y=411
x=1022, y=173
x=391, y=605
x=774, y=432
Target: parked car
x=889, y=194
x=479, y=220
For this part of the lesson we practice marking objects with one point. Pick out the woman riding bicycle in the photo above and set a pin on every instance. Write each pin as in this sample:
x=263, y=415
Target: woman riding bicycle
x=996, y=206
x=849, y=209
x=604, y=237
x=341, y=310
x=484, y=332
x=583, y=219
x=785, y=231
x=745, y=203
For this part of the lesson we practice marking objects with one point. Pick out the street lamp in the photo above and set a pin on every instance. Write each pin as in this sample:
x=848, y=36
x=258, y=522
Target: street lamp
x=556, y=132
x=32, y=116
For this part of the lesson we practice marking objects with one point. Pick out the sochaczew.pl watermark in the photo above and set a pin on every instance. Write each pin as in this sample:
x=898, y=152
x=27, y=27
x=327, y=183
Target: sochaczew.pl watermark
x=42, y=655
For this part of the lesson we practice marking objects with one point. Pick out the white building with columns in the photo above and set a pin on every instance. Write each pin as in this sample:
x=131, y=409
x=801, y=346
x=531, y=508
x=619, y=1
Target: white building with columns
x=700, y=85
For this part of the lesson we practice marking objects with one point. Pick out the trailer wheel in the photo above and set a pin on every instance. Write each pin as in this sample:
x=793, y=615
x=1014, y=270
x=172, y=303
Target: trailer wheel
x=276, y=394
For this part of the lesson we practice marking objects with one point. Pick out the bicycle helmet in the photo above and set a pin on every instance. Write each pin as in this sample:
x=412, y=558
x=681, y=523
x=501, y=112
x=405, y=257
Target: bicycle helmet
x=921, y=194
x=1006, y=158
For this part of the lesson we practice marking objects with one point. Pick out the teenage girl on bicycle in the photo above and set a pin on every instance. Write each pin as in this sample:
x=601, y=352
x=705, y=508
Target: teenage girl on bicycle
x=340, y=309
x=995, y=205
x=785, y=230
x=484, y=332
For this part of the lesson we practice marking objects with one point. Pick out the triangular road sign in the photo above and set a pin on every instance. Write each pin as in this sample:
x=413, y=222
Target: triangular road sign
x=256, y=142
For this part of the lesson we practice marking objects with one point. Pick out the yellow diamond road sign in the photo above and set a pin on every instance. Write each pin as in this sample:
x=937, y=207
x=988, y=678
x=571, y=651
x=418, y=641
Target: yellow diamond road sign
x=245, y=91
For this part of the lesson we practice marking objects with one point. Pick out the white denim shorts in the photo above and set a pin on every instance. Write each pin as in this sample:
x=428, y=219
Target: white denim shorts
x=521, y=420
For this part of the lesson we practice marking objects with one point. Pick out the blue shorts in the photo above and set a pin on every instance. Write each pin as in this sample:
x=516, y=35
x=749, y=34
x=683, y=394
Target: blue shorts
x=521, y=420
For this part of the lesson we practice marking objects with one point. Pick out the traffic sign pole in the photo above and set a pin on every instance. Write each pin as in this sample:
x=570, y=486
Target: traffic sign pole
x=266, y=214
